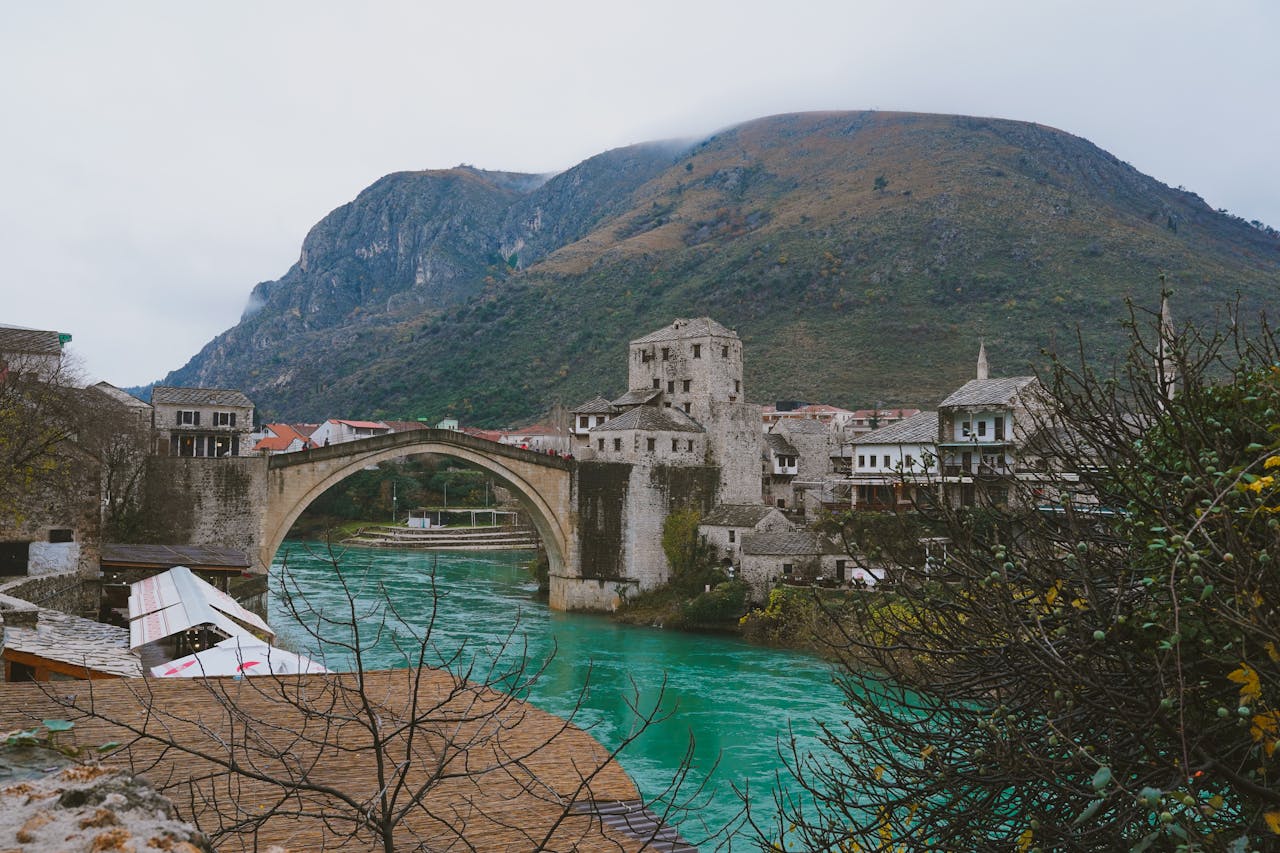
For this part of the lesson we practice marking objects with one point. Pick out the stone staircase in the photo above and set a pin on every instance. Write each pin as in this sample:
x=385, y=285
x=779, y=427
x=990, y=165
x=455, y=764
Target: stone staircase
x=499, y=538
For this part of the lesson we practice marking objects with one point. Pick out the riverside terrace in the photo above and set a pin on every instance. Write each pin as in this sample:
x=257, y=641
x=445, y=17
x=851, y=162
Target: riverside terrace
x=497, y=774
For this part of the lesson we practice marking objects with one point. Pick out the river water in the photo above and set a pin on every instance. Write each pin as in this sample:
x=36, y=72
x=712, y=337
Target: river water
x=737, y=701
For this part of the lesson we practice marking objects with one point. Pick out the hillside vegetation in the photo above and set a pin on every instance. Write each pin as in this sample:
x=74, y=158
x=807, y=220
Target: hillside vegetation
x=859, y=255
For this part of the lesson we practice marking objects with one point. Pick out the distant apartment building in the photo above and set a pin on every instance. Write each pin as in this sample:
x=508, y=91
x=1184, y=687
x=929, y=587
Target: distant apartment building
x=338, y=430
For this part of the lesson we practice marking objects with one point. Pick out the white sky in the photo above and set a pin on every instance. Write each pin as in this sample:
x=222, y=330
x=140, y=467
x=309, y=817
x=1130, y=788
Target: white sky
x=159, y=159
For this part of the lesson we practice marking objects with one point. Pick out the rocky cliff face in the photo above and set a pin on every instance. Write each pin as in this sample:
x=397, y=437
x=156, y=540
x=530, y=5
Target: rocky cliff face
x=860, y=256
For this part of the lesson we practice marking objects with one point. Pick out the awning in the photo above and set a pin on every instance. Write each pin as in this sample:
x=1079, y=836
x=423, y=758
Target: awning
x=238, y=656
x=177, y=600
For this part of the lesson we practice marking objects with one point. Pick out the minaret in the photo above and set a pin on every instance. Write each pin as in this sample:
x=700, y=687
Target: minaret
x=1166, y=366
x=983, y=370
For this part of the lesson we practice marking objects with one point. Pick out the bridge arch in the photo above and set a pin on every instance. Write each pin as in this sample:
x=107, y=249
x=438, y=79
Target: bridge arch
x=541, y=483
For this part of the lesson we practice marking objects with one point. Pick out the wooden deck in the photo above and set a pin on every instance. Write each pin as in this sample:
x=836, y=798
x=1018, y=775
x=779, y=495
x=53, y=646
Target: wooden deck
x=493, y=773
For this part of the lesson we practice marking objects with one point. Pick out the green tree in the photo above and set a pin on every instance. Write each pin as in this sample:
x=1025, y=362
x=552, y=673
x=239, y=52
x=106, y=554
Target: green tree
x=1096, y=667
x=691, y=559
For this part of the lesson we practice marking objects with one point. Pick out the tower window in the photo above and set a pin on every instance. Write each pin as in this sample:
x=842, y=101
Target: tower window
x=684, y=386
x=697, y=350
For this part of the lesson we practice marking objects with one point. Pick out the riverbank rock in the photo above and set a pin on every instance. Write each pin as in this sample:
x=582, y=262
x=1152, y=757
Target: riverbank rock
x=48, y=803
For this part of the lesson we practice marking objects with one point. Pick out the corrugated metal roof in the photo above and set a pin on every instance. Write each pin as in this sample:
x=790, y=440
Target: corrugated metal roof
x=987, y=392
x=698, y=327
x=920, y=428
x=651, y=418
x=176, y=600
x=169, y=395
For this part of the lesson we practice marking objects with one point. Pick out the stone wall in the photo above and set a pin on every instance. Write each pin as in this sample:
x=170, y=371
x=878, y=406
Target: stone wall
x=734, y=444
x=65, y=499
x=71, y=592
x=216, y=502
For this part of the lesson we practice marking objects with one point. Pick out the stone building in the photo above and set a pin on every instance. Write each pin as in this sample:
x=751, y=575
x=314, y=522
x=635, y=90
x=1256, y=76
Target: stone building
x=726, y=525
x=797, y=464
x=651, y=434
x=201, y=422
x=890, y=464
x=695, y=366
x=31, y=352
x=800, y=556
x=981, y=427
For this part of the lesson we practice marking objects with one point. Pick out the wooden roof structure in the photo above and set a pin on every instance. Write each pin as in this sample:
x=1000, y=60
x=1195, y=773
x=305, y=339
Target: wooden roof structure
x=495, y=773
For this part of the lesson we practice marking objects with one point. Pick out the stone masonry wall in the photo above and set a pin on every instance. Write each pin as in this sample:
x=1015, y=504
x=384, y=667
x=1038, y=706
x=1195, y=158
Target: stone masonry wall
x=71, y=592
x=215, y=502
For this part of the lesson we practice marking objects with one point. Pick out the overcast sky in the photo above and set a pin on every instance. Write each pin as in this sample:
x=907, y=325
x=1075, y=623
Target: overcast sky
x=159, y=159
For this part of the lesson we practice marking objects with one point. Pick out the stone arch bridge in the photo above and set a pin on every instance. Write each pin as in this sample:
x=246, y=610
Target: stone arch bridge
x=543, y=484
x=600, y=522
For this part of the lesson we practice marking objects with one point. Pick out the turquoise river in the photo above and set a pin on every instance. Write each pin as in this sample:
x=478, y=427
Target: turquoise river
x=737, y=701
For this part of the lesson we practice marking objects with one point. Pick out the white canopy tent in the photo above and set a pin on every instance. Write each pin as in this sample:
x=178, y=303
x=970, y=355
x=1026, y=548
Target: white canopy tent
x=238, y=656
x=177, y=600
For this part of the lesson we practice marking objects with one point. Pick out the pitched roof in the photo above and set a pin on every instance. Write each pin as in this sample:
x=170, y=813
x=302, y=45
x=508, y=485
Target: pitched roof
x=737, y=515
x=360, y=424
x=779, y=445
x=651, y=418
x=637, y=397
x=987, y=392
x=406, y=426
x=16, y=339
x=595, y=406
x=285, y=434
x=203, y=557
x=866, y=414
x=789, y=543
x=169, y=395
x=698, y=327
x=920, y=428
x=122, y=397
x=75, y=642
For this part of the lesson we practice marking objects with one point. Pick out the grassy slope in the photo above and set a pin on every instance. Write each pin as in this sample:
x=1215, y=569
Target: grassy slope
x=843, y=291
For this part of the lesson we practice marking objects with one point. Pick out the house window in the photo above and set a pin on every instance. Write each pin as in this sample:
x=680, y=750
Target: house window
x=617, y=444
x=964, y=429
x=600, y=443
x=737, y=386
x=999, y=427
x=584, y=421
x=907, y=461
x=724, y=352
x=666, y=354
x=787, y=568
x=656, y=385
x=649, y=445
x=675, y=445
x=61, y=534
x=862, y=461
x=224, y=419
x=982, y=428
x=686, y=408
x=188, y=418
x=667, y=404
x=688, y=445
x=840, y=570
x=873, y=460
x=782, y=503
x=733, y=535
x=697, y=350
x=684, y=386
x=646, y=356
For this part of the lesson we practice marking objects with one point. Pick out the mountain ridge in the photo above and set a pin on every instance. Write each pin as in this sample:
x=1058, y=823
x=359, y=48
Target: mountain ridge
x=828, y=239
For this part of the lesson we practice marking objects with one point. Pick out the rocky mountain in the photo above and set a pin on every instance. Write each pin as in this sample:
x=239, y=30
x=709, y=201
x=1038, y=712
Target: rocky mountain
x=860, y=256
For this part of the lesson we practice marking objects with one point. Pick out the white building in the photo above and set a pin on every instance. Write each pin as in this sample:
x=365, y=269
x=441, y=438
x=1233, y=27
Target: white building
x=338, y=430
x=888, y=464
